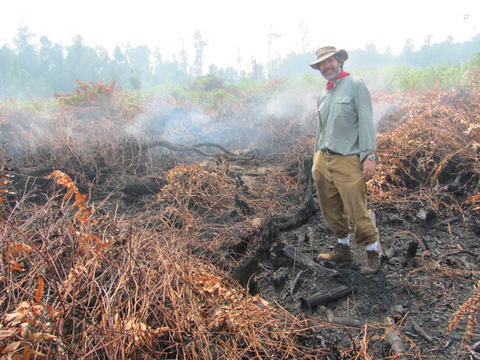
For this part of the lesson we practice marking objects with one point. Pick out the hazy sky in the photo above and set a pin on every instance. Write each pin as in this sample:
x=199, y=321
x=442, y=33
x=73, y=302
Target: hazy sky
x=241, y=27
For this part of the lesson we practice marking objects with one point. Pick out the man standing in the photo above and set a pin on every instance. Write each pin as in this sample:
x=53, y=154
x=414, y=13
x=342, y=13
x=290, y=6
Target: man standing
x=345, y=158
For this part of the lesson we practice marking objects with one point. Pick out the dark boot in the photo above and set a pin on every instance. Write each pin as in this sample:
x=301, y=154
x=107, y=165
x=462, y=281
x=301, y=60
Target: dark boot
x=340, y=253
x=373, y=263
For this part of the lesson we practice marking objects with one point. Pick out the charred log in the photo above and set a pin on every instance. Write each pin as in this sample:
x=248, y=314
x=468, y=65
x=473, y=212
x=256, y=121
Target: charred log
x=269, y=237
x=150, y=186
x=292, y=221
x=327, y=296
x=410, y=254
x=225, y=155
x=244, y=272
x=302, y=260
x=249, y=266
x=344, y=321
x=307, y=164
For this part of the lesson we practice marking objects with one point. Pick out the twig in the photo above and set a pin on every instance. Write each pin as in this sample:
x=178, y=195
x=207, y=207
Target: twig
x=291, y=288
x=460, y=252
x=420, y=331
x=48, y=261
x=295, y=282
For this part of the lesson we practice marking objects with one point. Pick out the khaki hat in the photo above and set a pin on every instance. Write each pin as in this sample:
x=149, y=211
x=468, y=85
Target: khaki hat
x=324, y=53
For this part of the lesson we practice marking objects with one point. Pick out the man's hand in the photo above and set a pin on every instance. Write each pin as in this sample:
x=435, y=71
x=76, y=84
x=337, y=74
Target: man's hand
x=368, y=169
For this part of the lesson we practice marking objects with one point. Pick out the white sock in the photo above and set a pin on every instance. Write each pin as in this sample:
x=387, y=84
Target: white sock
x=344, y=241
x=372, y=247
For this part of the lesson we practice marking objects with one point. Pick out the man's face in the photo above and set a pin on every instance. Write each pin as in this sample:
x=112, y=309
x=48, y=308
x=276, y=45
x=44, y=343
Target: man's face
x=330, y=68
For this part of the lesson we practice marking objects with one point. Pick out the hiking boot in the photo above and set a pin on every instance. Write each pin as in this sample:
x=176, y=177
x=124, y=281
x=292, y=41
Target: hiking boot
x=340, y=253
x=373, y=263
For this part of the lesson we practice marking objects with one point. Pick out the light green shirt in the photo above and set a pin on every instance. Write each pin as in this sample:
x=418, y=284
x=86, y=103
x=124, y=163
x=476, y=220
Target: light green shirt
x=345, y=119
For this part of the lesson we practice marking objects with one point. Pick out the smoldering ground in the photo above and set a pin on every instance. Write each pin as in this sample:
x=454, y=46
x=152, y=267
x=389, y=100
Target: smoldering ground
x=215, y=217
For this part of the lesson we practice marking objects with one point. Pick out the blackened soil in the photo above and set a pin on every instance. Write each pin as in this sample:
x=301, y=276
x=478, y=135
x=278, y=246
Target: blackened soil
x=430, y=266
x=415, y=291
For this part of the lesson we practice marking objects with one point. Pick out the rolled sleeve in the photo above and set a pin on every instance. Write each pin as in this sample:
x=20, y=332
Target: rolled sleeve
x=363, y=104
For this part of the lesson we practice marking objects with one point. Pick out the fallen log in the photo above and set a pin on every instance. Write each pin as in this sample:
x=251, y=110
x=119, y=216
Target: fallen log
x=293, y=221
x=327, y=296
x=225, y=155
x=348, y=322
x=302, y=260
x=243, y=273
x=249, y=266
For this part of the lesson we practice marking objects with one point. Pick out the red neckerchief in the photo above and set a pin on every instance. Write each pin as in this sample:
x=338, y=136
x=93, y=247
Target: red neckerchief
x=342, y=74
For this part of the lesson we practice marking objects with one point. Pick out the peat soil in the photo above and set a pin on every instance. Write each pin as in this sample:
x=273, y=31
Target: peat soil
x=417, y=291
x=430, y=267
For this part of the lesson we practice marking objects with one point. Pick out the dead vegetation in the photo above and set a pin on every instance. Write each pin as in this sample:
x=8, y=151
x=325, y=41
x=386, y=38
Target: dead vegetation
x=165, y=252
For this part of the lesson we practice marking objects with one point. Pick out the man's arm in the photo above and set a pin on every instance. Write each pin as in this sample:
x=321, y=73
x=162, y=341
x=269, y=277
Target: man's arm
x=317, y=136
x=366, y=126
x=367, y=137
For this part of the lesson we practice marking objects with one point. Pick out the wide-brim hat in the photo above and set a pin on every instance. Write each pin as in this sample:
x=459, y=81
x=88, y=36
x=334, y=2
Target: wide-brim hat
x=324, y=53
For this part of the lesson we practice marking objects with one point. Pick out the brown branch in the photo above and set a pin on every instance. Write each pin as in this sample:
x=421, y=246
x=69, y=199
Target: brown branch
x=303, y=261
x=226, y=155
x=327, y=296
x=420, y=331
x=48, y=260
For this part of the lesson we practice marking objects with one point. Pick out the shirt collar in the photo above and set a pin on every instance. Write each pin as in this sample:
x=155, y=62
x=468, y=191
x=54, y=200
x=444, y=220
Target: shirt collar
x=343, y=73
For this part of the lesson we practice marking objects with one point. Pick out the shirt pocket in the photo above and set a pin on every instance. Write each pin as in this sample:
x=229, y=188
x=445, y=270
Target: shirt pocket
x=345, y=108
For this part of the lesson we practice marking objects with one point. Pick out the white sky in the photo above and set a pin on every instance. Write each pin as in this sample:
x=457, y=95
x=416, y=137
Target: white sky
x=229, y=26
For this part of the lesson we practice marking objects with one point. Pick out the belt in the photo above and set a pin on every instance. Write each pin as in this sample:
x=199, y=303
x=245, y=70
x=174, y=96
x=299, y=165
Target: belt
x=330, y=152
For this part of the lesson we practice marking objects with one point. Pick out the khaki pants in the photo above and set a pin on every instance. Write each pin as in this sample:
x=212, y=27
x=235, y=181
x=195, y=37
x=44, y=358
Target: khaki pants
x=342, y=192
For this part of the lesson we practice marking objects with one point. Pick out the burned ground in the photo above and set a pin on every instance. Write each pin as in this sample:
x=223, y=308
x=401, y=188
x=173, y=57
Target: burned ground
x=212, y=254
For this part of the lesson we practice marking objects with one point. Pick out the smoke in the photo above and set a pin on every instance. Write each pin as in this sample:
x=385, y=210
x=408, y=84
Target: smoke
x=264, y=121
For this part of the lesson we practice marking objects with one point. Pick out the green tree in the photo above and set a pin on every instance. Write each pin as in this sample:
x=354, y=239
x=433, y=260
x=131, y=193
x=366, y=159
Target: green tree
x=183, y=58
x=166, y=70
x=199, y=42
x=119, y=67
x=407, y=51
x=51, y=65
x=27, y=54
x=82, y=62
x=57, y=64
x=44, y=55
x=7, y=67
x=139, y=59
x=271, y=37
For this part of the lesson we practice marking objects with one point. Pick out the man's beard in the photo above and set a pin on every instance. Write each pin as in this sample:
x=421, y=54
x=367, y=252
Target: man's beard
x=334, y=75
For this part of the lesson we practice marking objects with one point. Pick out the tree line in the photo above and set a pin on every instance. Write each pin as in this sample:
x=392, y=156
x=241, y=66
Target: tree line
x=43, y=68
